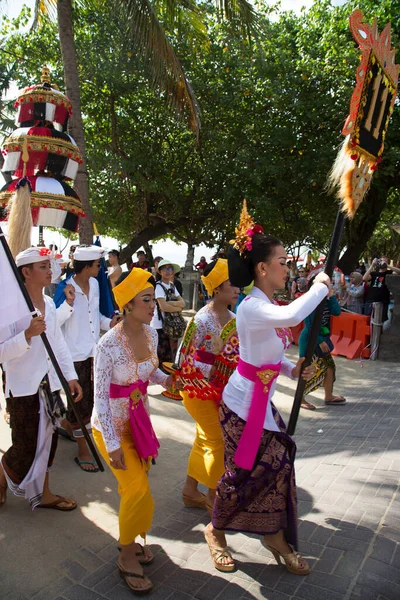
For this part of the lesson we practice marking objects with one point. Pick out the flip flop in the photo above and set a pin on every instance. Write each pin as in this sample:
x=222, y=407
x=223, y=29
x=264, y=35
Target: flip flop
x=148, y=558
x=307, y=406
x=85, y=462
x=126, y=575
x=56, y=504
x=336, y=400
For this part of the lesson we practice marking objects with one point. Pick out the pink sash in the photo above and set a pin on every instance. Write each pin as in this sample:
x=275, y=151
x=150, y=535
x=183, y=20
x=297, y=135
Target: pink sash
x=249, y=443
x=143, y=435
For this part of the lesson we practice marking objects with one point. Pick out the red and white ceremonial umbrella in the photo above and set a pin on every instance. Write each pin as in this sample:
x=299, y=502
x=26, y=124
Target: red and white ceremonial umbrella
x=53, y=202
x=49, y=150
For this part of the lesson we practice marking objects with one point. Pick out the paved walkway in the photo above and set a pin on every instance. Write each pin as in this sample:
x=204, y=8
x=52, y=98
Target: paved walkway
x=348, y=469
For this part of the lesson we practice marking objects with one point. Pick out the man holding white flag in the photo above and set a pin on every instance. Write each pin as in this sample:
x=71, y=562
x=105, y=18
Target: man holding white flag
x=32, y=386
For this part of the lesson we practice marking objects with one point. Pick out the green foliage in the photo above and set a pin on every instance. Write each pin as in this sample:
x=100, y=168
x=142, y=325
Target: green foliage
x=272, y=113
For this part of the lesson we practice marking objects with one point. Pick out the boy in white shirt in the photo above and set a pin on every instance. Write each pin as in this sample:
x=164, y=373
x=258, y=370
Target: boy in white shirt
x=81, y=321
x=32, y=390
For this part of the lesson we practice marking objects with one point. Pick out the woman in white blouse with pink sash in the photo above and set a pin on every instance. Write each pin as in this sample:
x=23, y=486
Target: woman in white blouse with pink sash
x=257, y=492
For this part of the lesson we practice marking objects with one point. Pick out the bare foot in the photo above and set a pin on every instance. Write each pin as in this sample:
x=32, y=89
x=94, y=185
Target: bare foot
x=217, y=540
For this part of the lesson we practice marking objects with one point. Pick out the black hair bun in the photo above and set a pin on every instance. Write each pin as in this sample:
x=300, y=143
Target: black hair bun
x=239, y=267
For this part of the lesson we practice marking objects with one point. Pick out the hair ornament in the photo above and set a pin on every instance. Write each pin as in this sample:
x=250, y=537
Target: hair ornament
x=244, y=231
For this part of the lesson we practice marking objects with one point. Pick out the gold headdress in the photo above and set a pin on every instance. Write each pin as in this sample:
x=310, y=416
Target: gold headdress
x=218, y=275
x=245, y=231
x=131, y=286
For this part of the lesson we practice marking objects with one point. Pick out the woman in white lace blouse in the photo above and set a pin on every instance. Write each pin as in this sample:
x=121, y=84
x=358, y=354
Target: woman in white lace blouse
x=126, y=361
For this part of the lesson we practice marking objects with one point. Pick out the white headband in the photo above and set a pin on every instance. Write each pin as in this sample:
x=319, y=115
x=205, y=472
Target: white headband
x=88, y=252
x=33, y=255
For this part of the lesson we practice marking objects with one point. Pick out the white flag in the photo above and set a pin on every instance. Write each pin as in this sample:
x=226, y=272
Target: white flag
x=13, y=306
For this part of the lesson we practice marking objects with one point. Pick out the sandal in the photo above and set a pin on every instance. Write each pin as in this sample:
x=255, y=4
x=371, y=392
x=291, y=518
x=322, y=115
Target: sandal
x=293, y=561
x=192, y=503
x=86, y=462
x=148, y=556
x=126, y=576
x=336, y=400
x=307, y=405
x=56, y=504
x=217, y=555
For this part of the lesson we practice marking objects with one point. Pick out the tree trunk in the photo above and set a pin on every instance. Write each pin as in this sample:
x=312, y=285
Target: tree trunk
x=71, y=78
x=149, y=253
x=189, y=258
x=360, y=230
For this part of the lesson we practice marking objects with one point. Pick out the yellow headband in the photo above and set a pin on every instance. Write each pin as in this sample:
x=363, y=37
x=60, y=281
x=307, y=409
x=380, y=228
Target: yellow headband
x=218, y=275
x=131, y=286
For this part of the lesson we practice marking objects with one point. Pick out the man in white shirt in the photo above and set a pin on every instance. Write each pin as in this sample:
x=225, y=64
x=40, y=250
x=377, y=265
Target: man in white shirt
x=81, y=321
x=32, y=390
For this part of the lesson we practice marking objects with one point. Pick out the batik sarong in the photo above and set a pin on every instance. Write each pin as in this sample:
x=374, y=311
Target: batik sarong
x=263, y=500
x=321, y=365
x=84, y=370
x=33, y=448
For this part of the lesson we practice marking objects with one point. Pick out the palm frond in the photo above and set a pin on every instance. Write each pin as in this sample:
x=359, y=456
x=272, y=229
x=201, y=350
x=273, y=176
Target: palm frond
x=241, y=12
x=42, y=8
x=166, y=70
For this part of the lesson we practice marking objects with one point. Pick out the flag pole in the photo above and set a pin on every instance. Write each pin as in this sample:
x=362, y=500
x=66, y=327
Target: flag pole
x=315, y=327
x=49, y=350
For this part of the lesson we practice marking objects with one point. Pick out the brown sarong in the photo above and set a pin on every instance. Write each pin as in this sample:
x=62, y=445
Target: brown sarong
x=24, y=422
x=262, y=500
x=84, y=369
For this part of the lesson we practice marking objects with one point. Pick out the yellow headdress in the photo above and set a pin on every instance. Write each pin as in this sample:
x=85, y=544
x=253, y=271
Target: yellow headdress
x=131, y=286
x=218, y=275
x=245, y=231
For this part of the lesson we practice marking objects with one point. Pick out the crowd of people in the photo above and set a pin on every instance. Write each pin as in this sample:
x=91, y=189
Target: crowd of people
x=241, y=452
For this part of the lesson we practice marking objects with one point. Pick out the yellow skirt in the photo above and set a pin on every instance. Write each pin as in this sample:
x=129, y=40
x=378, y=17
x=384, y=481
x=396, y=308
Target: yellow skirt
x=206, y=460
x=137, y=506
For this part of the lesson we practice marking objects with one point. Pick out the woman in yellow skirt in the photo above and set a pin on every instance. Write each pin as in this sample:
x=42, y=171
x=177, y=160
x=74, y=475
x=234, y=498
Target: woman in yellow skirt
x=126, y=360
x=206, y=461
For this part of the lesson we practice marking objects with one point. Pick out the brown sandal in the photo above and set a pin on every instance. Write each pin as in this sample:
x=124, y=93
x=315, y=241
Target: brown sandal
x=336, y=400
x=148, y=558
x=293, y=561
x=192, y=503
x=56, y=504
x=126, y=576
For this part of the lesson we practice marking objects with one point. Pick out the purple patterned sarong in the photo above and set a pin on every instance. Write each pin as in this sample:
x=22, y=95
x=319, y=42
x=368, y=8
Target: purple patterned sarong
x=261, y=501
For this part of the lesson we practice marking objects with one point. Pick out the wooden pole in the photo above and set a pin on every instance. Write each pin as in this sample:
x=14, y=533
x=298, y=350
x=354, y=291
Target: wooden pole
x=315, y=327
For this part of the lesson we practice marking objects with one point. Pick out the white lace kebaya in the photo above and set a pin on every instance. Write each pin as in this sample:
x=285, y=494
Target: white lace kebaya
x=116, y=363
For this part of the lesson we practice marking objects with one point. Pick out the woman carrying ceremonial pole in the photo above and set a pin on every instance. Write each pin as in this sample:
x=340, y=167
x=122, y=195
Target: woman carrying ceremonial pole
x=257, y=492
x=126, y=360
x=206, y=461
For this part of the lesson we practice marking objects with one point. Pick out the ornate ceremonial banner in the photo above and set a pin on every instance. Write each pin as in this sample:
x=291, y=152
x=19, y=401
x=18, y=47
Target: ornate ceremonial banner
x=371, y=107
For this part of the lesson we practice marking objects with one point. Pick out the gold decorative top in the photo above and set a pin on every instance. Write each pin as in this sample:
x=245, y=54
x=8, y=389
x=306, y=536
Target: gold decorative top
x=45, y=78
x=245, y=231
x=242, y=236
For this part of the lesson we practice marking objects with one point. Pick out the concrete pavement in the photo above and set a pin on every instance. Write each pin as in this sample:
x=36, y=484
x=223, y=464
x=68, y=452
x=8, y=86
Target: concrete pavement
x=348, y=468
